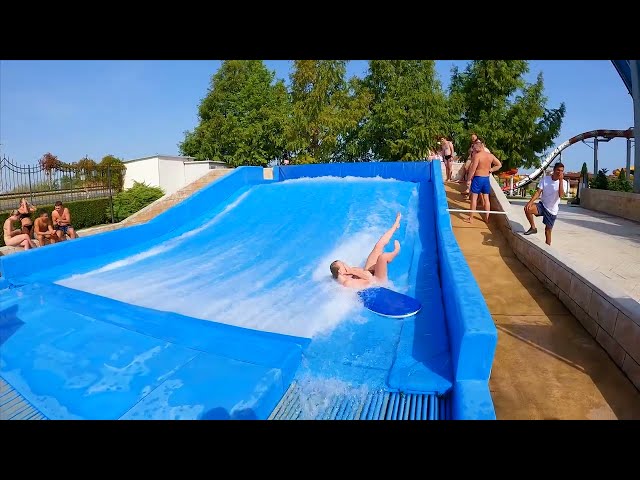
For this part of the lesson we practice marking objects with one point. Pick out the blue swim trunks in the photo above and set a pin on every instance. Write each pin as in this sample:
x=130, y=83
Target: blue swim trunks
x=547, y=217
x=480, y=185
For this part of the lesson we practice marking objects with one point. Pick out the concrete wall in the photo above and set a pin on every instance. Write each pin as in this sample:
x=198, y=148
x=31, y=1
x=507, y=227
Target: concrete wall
x=145, y=170
x=620, y=204
x=196, y=169
x=167, y=172
x=172, y=176
x=607, y=313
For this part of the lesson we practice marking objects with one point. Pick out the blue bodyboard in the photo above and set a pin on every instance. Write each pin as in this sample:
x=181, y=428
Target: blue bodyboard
x=388, y=303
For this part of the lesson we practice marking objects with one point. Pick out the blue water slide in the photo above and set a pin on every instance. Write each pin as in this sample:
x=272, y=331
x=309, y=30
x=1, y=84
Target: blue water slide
x=624, y=70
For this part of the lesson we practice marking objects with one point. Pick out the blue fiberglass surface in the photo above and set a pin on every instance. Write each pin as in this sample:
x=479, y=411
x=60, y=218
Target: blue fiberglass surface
x=153, y=331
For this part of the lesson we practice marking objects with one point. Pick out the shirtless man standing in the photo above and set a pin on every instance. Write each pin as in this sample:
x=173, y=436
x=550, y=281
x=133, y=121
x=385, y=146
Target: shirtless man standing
x=375, y=268
x=467, y=163
x=483, y=165
x=446, y=150
x=15, y=238
x=62, y=222
x=44, y=231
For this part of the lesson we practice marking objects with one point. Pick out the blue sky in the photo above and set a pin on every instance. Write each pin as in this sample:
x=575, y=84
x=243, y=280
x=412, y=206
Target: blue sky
x=139, y=108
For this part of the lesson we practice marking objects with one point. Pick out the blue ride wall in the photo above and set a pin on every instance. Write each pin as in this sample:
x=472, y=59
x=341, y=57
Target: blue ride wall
x=472, y=334
x=14, y=267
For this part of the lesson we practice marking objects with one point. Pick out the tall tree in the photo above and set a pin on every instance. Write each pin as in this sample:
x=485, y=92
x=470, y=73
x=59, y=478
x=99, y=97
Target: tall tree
x=115, y=167
x=86, y=167
x=492, y=99
x=242, y=118
x=351, y=146
x=326, y=110
x=408, y=111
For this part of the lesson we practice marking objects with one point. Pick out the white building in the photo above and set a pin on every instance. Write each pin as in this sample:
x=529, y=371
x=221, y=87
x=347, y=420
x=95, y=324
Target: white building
x=167, y=172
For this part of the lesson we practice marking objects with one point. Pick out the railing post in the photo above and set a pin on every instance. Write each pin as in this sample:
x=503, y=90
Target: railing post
x=30, y=188
x=110, y=195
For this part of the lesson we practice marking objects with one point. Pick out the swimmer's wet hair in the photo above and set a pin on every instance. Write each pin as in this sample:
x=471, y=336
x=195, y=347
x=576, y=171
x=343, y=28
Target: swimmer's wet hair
x=334, y=268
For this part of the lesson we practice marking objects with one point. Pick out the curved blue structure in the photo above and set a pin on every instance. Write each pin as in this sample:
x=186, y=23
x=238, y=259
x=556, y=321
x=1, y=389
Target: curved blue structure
x=223, y=307
x=623, y=67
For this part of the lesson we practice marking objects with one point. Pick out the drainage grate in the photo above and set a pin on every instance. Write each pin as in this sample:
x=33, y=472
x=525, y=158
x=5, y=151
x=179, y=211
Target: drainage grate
x=14, y=406
x=375, y=406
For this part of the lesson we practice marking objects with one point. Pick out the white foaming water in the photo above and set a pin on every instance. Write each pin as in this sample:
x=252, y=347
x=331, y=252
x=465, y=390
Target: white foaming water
x=331, y=178
x=318, y=395
x=163, y=247
x=266, y=265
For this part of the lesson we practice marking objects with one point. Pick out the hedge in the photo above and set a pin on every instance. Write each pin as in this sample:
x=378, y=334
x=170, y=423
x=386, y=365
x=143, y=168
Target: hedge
x=84, y=213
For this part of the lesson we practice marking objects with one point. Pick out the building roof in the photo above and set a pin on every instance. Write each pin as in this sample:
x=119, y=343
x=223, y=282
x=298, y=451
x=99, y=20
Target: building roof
x=163, y=157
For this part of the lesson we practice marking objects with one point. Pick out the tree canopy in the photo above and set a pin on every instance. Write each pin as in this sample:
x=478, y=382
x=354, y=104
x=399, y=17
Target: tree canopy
x=491, y=98
x=242, y=118
x=408, y=110
x=396, y=112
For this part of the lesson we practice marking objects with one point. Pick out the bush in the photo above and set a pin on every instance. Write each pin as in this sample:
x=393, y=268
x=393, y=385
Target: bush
x=600, y=181
x=621, y=185
x=129, y=201
x=84, y=213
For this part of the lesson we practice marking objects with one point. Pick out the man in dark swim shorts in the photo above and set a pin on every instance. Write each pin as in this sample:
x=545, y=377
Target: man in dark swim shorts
x=62, y=222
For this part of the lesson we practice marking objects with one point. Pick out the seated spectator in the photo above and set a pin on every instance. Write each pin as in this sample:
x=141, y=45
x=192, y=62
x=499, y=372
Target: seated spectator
x=44, y=231
x=26, y=223
x=15, y=238
x=62, y=222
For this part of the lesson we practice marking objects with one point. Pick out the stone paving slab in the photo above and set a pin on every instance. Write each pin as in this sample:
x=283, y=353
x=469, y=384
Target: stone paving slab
x=601, y=243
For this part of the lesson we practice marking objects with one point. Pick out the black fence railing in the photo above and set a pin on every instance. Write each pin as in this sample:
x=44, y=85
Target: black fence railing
x=66, y=182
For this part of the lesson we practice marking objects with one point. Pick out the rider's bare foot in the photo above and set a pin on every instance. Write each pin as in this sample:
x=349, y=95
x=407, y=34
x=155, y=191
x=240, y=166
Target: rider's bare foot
x=397, y=222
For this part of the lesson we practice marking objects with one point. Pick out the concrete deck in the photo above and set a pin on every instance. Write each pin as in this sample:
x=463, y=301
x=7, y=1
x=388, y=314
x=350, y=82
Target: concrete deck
x=547, y=366
x=604, y=244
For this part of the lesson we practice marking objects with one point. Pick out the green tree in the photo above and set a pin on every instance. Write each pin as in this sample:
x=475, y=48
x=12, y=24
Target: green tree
x=49, y=162
x=600, y=181
x=326, y=112
x=86, y=167
x=584, y=171
x=351, y=147
x=621, y=184
x=242, y=118
x=491, y=98
x=408, y=112
x=114, y=166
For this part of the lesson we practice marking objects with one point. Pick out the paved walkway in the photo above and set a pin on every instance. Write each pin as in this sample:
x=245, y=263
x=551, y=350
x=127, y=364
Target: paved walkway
x=599, y=242
x=547, y=366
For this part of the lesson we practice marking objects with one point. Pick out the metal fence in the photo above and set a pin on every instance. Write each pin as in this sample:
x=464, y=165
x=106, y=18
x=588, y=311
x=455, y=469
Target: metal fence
x=65, y=182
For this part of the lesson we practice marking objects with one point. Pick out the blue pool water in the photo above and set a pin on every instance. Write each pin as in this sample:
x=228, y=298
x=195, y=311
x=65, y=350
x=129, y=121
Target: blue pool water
x=215, y=308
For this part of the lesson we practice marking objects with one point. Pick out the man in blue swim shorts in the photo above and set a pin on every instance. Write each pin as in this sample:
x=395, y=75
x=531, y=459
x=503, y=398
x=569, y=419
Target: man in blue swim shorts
x=550, y=190
x=484, y=164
